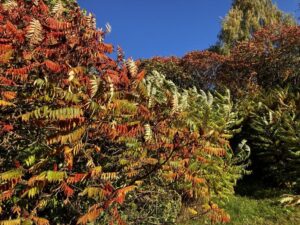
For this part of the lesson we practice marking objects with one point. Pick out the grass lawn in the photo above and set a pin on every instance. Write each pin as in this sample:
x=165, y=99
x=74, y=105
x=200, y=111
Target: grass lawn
x=247, y=211
x=256, y=204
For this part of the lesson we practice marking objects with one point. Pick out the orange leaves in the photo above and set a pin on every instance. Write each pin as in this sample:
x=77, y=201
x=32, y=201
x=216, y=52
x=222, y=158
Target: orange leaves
x=106, y=48
x=4, y=48
x=76, y=178
x=140, y=76
x=54, y=67
x=121, y=193
x=91, y=216
x=9, y=95
x=70, y=137
x=218, y=215
x=5, y=195
x=58, y=25
x=68, y=153
x=6, y=56
x=215, y=151
x=40, y=221
x=7, y=128
x=113, y=75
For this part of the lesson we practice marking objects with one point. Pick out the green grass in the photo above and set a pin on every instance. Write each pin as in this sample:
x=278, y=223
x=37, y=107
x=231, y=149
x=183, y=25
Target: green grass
x=247, y=211
x=256, y=204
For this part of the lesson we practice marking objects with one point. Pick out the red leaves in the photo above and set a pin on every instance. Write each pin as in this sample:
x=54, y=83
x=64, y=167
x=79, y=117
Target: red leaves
x=140, y=76
x=54, y=67
x=57, y=25
x=21, y=73
x=67, y=189
x=7, y=128
x=76, y=178
x=44, y=8
x=6, y=81
x=11, y=28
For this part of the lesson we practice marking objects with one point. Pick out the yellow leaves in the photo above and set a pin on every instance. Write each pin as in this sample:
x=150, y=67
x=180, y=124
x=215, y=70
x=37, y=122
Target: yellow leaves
x=50, y=176
x=132, y=67
x=170, y=176
x=124, y=106
x=175, y=103
x=148, y=133
x=96, y=171
x=5, y=57
x=10, y=5
x=132, y=173
x=194, y=179
x=30, y=160
x=65, y=113
x=150, y=161
x=35, y=32
x=109, y=176
x=11, y=175
x=32, y=192
x=75, y=72
x=55, y=176
x=11, y=222
x=58, y=9
x=45, y=112
x=42, y=204
x=71, y=137
x=68, y=153
x=94, y=86
x=94, y=192
x=192, y=211
x=5, y=103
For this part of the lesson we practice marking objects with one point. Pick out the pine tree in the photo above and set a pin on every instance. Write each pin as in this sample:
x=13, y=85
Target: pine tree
x=246, y=17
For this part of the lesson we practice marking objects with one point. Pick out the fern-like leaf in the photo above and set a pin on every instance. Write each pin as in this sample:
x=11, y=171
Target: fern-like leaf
x=35, y=32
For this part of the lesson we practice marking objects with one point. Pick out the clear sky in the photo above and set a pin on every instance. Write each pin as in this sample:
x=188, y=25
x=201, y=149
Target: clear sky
x=147, y=28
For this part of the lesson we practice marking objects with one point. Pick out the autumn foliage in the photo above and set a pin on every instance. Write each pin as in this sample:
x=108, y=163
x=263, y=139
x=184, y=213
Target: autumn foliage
x=79, y=130
x=86, y=138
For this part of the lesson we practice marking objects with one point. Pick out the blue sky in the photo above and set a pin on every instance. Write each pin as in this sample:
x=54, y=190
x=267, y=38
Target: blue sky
x=147, y=28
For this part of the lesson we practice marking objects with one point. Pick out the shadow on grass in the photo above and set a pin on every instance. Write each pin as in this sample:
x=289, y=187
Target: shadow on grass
x=255, y=203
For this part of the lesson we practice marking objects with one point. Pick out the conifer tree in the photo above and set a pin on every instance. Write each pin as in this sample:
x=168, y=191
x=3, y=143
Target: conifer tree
x=246, y=17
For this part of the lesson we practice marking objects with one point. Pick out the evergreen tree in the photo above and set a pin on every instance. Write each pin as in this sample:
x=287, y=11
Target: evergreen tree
x=246, y=17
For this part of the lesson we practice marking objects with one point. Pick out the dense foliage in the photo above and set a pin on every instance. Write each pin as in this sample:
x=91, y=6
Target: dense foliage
x=79, y=130
x=245, y=18
x=88, y=139
x=275, y=137
x=263, y=75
